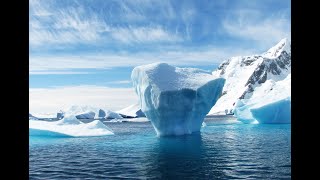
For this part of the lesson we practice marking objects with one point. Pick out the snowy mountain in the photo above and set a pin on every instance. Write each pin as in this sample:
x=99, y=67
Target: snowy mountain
x=245, y=74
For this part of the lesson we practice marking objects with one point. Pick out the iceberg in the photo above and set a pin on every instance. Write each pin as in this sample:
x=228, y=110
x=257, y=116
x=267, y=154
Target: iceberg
x=278, y=112
x=112, y=115
x=132, y=111
x=69, y=127
x=89, y=112
x=270, y=103
x=101, y=113
x=88, y=115
x=175, y=100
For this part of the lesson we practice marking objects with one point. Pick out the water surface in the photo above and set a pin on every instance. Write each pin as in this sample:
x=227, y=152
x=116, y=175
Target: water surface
x=220, y=151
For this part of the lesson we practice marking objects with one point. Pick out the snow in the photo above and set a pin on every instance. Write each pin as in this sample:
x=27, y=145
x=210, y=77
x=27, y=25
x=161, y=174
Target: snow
x=275, y=51
x=239, y=70
x=236, y=77
x=69, y=126
x=175, y=100
x=270, y=103
x=133, y=110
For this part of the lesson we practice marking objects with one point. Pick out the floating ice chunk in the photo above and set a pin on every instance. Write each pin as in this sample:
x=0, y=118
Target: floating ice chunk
x=112, y=115
x=175, y=100
x=69, y=126
x=102, y=113
x=276, y=112
x=88, y=115
x=132, y=111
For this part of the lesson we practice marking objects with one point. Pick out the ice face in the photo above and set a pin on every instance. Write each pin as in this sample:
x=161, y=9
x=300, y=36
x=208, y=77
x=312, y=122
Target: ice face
x=102, y=113
x=175, y=100
x=277, y=112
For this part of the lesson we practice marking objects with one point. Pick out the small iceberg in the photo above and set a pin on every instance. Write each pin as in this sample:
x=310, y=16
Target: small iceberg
x=69, y=127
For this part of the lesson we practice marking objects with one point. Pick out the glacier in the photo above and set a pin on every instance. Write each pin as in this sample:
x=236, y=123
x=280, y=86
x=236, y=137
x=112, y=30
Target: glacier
x=175, y=100
x=68, y=127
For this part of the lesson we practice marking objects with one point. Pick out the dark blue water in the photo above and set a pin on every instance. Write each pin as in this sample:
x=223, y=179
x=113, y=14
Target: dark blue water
x=220, y=151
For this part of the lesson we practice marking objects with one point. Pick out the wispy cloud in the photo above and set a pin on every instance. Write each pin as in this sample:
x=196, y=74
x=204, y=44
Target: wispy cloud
x=54, y=25
x=144, y=35
x=50, y=100
x=266, y=31
x=212, y=55
x=94, y=34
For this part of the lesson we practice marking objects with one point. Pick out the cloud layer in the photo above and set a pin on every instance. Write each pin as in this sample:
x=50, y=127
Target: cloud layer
x=51, y=100
x=83, y=26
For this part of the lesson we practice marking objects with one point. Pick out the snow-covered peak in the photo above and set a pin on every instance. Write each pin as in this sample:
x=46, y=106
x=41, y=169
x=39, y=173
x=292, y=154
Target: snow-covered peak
x=275, y=51
x=244, y=74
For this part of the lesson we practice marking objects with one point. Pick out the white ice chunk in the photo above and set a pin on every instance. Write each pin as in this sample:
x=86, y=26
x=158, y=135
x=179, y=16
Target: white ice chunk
x=69, y=126
x=132, y=111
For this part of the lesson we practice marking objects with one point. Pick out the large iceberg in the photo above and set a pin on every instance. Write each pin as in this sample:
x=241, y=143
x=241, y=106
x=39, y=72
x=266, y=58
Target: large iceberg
x=69, y=127
x=175, y=100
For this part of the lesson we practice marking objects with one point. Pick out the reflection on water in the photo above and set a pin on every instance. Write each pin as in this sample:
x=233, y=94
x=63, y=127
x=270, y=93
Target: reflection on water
x=174, y=157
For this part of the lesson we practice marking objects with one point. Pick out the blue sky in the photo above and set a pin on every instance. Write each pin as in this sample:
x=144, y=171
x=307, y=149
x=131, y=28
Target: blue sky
x=98, y=42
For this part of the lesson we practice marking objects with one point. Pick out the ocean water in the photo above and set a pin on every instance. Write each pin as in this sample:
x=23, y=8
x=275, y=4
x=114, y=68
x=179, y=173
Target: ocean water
x=220, y=151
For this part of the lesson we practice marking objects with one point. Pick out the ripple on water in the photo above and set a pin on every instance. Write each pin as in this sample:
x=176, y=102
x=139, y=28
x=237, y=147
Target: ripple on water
x=224, y=151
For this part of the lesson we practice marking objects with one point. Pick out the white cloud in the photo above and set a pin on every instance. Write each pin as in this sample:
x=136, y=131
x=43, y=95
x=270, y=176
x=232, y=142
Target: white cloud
x=51, y=100
x=213, y=55
x=67, y=26
x=144, y=35
x=74, y=25
x=249, y=24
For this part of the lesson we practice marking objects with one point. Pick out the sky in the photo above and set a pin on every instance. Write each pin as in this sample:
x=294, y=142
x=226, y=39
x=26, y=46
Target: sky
x=80, y=50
